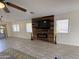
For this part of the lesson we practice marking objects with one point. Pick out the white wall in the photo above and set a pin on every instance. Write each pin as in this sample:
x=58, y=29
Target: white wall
x=71, y=38
x=22, y=33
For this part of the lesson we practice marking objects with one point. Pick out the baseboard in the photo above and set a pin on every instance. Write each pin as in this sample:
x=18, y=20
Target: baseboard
x=18, y=37
x=71, y=44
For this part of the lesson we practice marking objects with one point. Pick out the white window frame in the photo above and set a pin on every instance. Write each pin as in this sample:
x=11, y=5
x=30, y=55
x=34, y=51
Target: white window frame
x=16, y=28
x=29, y=27
x=63, y=27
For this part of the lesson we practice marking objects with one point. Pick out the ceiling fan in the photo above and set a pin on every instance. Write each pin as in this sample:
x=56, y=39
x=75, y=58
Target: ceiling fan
x=4, y=6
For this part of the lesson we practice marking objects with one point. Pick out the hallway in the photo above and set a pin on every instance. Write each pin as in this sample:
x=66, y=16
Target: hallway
x=2, y=32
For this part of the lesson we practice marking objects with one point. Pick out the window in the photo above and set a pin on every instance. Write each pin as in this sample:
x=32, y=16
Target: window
x=62, y=26
x=28, y=27
x=16, y=28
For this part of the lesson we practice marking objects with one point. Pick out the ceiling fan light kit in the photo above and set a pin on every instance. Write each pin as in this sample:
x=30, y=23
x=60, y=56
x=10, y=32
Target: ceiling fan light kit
x=2, y=5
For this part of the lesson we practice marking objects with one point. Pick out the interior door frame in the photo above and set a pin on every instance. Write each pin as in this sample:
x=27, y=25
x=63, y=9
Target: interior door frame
x=5, y=30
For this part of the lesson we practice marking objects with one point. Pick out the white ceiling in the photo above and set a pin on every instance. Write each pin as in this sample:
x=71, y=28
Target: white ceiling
x=40, y=8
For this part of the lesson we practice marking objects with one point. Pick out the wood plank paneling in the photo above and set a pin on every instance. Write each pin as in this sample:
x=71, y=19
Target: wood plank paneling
x=49, y=32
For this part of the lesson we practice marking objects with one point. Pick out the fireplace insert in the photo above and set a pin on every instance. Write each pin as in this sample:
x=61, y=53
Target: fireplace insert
x=42, y=35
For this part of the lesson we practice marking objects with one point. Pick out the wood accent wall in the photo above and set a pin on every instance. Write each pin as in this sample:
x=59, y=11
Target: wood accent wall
x=49, y=32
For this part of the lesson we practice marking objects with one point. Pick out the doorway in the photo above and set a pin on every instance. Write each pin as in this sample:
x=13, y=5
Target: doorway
x=3, y=33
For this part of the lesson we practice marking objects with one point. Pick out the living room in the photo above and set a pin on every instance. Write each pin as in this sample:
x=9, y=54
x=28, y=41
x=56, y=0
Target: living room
x=19, y=28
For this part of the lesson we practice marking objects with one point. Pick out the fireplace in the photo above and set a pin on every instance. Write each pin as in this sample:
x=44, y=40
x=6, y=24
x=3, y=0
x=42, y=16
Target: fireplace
x=42, y=35
x=43, y=31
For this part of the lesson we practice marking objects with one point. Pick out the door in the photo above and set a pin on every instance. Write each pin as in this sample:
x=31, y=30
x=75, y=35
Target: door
x=2, y=32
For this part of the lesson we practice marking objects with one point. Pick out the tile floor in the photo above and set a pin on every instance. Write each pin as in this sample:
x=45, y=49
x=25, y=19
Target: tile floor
x=40, y=49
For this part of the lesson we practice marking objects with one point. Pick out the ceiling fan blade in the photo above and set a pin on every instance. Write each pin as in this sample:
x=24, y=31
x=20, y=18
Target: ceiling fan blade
x=15, y=6
x=5, y=8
